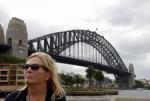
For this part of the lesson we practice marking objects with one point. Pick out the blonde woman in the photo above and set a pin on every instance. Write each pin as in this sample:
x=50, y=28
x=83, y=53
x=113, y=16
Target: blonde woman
x=42, y=82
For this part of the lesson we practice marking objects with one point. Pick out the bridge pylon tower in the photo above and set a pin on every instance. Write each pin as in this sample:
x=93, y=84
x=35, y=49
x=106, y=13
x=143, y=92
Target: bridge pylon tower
x=17, y=37
x=126, y=81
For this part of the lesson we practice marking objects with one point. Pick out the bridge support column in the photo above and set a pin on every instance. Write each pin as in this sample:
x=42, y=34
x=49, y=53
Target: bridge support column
x=125, y=81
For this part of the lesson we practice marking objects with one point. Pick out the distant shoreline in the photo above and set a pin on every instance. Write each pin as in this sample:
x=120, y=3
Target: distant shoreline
x=91, y=93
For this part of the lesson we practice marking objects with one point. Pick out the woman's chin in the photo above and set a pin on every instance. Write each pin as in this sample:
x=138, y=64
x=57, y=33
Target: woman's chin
x=29, y=82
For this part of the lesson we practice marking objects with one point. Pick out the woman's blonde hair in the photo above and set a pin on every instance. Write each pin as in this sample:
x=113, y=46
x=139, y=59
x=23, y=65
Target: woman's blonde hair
x=53, y=82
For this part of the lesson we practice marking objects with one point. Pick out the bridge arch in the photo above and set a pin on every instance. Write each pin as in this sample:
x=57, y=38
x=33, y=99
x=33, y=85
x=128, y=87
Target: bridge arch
x=56, y=43
x=62, y=40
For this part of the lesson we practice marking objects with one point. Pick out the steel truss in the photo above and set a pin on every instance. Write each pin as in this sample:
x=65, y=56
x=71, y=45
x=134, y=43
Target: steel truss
x=55, y=43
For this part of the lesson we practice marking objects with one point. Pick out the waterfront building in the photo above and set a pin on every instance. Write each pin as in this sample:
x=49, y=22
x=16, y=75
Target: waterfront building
x=11, y=74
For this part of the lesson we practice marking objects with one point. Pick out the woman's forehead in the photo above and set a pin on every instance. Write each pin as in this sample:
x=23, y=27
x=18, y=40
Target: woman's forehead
x=34, y=60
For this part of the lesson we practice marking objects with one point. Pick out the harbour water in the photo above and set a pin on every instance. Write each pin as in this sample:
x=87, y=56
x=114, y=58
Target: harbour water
x=134, y=93
x=122, y=93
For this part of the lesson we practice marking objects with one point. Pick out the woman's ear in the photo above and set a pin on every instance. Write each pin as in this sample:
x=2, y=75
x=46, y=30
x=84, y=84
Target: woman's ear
x=48, y=75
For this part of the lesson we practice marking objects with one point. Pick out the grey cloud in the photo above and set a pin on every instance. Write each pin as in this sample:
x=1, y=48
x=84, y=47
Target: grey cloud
x=123, y=14
x=120, y=17
x=4, y=18
x=137, y=46
x=134, y=3
x=130, y=12
x=136, y=51
x=37, y=29
x=142, y=72
x=70, y=68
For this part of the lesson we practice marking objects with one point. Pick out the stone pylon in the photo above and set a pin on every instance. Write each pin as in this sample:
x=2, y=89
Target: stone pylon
x=132, y=77
x=17, y=37
x=126, y=81
x=123, y=81
x=2, y=36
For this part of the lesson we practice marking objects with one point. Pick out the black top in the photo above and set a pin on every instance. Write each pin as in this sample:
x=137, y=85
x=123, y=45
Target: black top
x=21, y=96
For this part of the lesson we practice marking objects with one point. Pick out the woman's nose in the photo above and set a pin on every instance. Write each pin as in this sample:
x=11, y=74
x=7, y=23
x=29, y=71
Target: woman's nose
x=29, y=69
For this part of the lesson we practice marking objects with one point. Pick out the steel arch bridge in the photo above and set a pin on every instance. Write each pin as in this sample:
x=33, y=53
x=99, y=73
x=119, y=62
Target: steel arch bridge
x=55, y=43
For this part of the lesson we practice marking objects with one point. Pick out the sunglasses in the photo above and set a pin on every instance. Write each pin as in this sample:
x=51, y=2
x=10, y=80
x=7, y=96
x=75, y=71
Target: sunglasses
x=34, y=67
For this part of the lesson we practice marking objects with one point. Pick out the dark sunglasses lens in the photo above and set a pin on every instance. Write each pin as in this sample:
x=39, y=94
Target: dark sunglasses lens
x=26, y=66
x=35, y=67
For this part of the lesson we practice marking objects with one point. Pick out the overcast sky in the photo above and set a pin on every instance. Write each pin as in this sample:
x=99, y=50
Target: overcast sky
x=124, y=23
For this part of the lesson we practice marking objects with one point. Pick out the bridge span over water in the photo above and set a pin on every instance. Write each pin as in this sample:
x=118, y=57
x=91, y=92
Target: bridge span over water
x=84, y=48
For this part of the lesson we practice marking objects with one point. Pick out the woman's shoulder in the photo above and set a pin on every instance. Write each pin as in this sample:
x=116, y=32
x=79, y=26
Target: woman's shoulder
x=14, y=96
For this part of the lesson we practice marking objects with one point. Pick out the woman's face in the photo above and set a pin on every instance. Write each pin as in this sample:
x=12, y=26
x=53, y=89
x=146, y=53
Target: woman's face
x=35, y=75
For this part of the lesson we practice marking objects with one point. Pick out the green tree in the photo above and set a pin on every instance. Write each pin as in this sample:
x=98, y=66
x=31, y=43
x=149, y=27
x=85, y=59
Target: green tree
x=90, y=74
x=63, y=79
x=138, y=84
x=67, y=80
x=148, y=87
x=98, y=76
x=79, y=80
x=82, y=81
